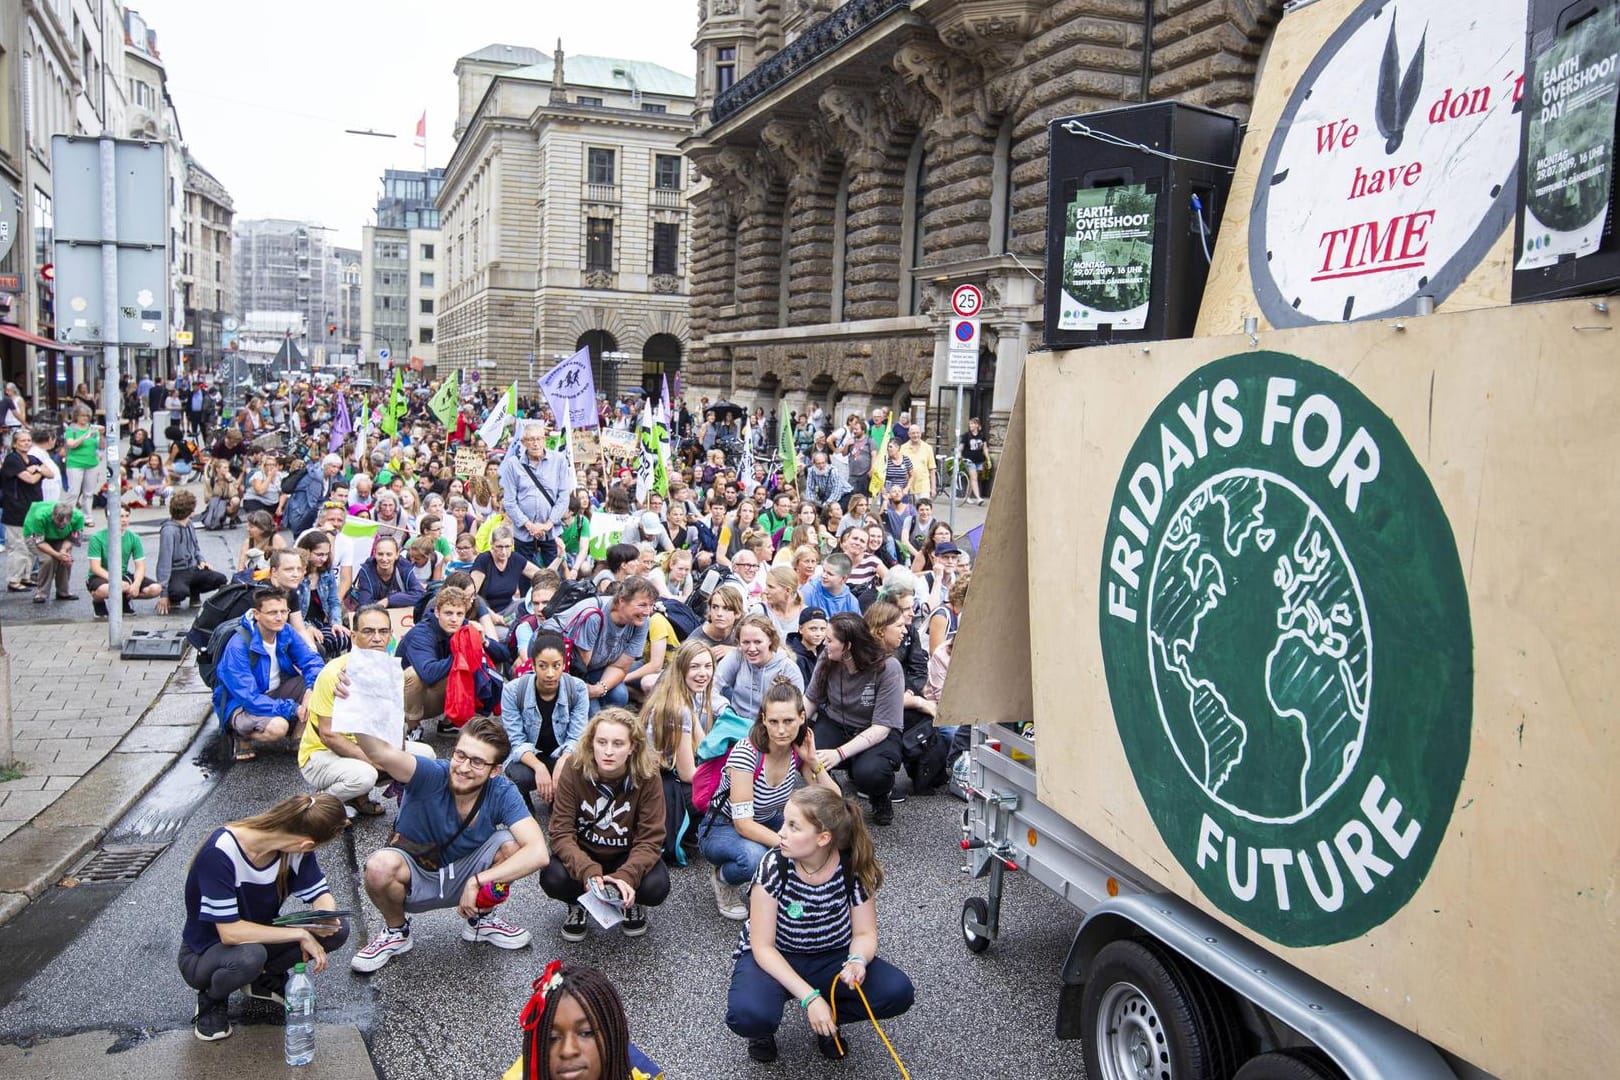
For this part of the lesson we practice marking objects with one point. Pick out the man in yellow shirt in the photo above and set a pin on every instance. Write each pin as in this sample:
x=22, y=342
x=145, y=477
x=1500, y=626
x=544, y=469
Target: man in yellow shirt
x=921, y=456
x=332, y=761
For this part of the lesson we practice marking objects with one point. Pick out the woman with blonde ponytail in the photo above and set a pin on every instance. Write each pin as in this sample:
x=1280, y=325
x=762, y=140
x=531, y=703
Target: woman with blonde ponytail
x=812, y=930
x=239, y=879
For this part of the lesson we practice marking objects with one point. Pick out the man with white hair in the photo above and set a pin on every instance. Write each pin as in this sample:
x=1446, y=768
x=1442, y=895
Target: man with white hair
x=310, y=487
x=535, y=485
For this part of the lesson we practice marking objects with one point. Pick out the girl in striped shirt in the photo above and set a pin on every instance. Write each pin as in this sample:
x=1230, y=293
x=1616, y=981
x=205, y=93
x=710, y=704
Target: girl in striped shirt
x=812, y=926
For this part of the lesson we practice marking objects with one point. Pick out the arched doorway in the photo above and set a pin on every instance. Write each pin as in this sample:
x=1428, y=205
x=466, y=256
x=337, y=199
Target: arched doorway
x=606, y=360
x=660, y=364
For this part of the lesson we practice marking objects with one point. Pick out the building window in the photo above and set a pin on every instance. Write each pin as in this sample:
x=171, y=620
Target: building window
x=666, y=248
x=725, y=68
x=599, y=244
x=217, y=275
x=667, y=172
x=425, y=279
x=424, y=307
x=427, y=252
x=599, y=166
x=582, y=99
x=648, y=107
x=386, y=302
x=424, y=336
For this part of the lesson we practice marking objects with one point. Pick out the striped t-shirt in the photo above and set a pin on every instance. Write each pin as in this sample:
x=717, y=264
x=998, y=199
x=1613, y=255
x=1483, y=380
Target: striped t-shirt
x=224, y=886
x=809, y=918
x=768, y=800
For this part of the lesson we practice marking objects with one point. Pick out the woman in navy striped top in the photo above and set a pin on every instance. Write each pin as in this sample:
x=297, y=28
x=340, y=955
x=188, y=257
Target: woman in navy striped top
x=240, y=878
x=812, y=925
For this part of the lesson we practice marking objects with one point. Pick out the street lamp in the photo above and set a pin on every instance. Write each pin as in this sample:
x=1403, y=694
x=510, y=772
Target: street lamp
x=614, y=361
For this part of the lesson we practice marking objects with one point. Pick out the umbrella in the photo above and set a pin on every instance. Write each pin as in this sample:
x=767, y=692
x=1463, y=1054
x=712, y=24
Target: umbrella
x=725, y=410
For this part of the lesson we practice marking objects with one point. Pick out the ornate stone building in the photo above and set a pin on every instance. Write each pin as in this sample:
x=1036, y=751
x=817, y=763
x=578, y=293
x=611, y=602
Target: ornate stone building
x=862, y=159
x=565, y=217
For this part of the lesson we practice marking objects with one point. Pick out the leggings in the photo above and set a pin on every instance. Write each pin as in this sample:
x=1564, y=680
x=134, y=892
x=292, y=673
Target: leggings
x=222, y=969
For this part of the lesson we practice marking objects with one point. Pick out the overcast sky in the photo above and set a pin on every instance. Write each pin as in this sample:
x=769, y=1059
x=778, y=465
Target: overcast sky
x=264, y=92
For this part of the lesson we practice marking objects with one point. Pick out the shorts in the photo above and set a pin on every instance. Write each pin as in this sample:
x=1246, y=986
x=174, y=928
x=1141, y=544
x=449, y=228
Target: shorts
x=441, y=888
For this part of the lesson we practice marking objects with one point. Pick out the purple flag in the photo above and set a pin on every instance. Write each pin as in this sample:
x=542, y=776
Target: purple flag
x=341, y=426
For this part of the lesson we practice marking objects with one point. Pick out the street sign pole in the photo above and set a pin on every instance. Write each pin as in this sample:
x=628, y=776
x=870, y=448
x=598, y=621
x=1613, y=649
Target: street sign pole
x=109, y=387
x=962, y=367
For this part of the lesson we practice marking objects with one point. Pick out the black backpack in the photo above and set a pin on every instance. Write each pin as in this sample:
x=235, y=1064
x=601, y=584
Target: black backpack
x=208, y=659
x=714, y=577
x=682, y=619
x=225, y=606
x=571, y=593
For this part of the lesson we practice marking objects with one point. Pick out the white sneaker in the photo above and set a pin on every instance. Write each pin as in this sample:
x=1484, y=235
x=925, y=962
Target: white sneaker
x=496, y=931
x=727, y=899
x=391, y=942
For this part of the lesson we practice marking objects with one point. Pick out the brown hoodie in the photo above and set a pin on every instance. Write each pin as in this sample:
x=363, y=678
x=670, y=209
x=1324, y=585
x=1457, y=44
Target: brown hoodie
x=595, y=822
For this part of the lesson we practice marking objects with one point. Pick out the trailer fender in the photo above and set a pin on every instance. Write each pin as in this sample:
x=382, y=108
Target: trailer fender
x=1361, y=1043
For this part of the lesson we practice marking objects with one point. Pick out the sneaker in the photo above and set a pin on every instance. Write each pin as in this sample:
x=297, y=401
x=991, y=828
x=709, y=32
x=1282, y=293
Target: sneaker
x=269, y=988
x=574, y=923
x=762, y=1050
x=727, y=899
x=832, y=1047
x=635, y=921
x=496, y=931
x=882, y=810
x=213, y=1020
x=392, y=941
x=98, y=608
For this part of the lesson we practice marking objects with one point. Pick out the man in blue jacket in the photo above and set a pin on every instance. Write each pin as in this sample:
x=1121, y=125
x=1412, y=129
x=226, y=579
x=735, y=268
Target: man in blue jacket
x=304, y=503
x=262, y=675
x=424, y=653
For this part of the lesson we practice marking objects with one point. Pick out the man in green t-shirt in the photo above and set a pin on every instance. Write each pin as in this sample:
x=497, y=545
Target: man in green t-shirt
x=48, y=531
x=135, y=583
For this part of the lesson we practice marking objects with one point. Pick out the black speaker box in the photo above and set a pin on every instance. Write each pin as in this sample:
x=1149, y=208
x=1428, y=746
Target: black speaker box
x=1177, y=153
x=1599, y=271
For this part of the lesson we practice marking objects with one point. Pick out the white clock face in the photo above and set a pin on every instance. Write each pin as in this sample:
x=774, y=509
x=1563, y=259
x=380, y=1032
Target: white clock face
x=1391, y=172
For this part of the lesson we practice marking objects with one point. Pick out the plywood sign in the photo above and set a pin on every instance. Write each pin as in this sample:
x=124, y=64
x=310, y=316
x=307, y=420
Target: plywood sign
x=1379, y=165
x=1321, y=637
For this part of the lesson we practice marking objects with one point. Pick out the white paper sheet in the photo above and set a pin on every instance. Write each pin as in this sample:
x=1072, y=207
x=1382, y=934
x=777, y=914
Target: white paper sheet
x=376, y=701
x=606, y=915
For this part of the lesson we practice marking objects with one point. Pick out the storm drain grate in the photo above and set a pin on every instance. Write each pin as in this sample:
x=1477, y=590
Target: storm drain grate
x=119, y=863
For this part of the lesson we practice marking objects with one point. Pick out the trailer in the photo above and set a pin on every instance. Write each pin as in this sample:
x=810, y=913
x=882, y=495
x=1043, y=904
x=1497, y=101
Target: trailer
x=1316, y=642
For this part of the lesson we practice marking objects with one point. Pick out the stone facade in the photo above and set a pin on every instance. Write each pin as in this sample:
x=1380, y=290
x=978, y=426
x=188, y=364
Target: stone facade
x=564, y=218
x=880, y=152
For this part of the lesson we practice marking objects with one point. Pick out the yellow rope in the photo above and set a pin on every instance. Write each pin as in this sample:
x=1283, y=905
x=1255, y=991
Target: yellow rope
x=832, y=1001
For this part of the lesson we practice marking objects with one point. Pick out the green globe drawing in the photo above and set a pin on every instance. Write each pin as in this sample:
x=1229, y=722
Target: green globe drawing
x=1261, y=654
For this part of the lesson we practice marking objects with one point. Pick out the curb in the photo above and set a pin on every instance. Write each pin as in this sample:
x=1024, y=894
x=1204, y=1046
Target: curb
x=39, y=854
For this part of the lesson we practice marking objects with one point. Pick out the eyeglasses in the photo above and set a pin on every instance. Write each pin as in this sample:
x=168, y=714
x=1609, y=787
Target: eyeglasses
x=477, y=764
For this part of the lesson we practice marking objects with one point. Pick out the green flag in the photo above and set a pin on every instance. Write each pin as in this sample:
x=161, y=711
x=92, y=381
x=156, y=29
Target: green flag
x=447, y=401
x=880, y=454
x=784, y=443
x=395, y=407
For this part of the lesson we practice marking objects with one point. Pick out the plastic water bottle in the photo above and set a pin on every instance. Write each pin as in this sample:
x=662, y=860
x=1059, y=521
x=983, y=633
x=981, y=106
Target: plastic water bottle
x=300, y=1034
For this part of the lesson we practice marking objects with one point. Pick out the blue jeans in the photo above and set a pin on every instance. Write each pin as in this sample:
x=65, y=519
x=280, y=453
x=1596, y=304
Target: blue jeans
x=754, y=1005
x=541, y=552
x=619, y=695
x=736, y=855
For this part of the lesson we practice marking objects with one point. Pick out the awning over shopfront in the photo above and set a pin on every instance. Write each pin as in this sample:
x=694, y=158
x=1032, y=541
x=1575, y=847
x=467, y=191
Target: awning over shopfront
x=17, y=332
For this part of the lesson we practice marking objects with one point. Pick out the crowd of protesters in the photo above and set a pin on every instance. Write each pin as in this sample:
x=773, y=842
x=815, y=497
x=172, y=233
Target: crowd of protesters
x=632, y=672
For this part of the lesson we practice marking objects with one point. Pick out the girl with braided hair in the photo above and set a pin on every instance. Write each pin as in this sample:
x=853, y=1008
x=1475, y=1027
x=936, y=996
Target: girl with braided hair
x=574, y=1026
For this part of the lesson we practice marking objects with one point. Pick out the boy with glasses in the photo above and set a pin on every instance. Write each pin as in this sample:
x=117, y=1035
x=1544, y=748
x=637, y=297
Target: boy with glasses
x=461, y=827
x=333, y=762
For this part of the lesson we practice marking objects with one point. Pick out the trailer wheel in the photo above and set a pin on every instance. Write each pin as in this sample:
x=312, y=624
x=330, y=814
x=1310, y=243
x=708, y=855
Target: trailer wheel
x=1144, y=1017
x=1300, y=1064
x=975, y=912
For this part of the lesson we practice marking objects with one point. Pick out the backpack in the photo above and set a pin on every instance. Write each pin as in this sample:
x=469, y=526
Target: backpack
x=215, y=513
x=225, y=606
x=208, y=659
x=571, y=593
x=682, y=619
x=572, y=663
x=714, y=577
x=522, y=663
x=706, y=779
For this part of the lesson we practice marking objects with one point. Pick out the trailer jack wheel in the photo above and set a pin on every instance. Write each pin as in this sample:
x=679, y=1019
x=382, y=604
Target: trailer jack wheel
x=1145, y=1017
x=975, y=924
x=1302, y=1064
